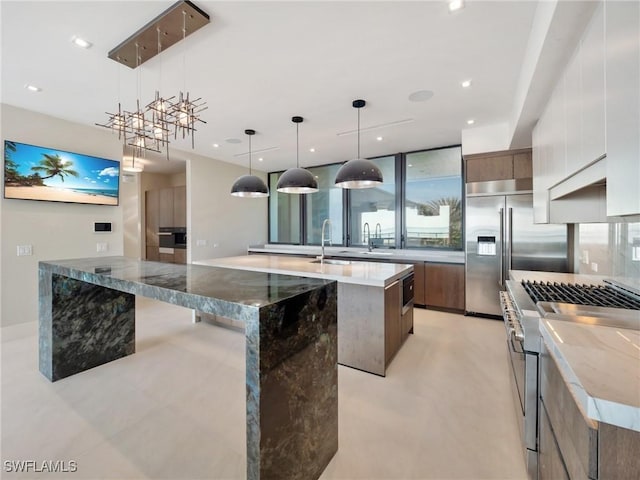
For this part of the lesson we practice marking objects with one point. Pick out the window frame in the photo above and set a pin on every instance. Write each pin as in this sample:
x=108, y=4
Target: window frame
x=400, y=204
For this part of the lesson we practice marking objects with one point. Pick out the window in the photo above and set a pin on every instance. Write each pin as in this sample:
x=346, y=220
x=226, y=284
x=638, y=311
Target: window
x=419, y=205
x=372, y=211
x=433, y=198
x=325, y=203
x=284, y=214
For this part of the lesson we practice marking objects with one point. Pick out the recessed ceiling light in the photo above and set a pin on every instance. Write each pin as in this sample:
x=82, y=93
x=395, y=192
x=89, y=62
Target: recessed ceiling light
x=379, y=139
x=471, y=122
x=466, y=84
x=410, y=165
x=455, y=5
x=32, y=88
x=312, y=149
x=260, y=159
x=215, y=145
x=80, y=42
x=421, y=96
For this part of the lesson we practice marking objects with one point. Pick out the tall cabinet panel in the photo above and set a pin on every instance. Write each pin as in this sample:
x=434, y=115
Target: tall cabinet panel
x=622, y=35
x=152, y=217
x=592, y=91
x=180, y=207
x=166, y=207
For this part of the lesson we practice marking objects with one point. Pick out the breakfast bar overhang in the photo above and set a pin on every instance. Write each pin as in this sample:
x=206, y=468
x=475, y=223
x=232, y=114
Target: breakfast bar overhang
x=87, y=318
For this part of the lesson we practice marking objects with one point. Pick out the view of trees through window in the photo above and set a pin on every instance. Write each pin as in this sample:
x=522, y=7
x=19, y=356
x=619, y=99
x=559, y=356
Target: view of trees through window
x=433, y=198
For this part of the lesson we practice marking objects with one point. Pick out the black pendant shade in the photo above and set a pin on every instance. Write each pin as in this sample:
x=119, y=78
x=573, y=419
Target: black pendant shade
x=359, y=172
x=297, y=180
x=249, y=185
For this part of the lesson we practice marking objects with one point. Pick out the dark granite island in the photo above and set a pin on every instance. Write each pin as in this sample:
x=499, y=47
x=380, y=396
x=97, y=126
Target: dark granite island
x=87, y=318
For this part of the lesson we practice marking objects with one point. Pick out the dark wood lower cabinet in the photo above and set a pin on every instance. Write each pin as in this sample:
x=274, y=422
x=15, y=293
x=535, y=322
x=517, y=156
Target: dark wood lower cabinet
x=153, y=254
x=550, y=464
x=573, y=446
x=392, y=320
x=180, y=255
x=444, y=285
x=418, y=287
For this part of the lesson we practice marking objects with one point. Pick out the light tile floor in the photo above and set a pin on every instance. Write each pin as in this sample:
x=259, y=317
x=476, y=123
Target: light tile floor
x=175, y=409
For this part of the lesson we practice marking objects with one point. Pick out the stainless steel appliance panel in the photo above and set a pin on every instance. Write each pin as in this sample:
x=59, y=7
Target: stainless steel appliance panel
x=530, y=246
x=484, y=253
x=500, y=236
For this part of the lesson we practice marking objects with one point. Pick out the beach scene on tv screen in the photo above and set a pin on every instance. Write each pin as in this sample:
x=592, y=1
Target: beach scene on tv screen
x=40, y=173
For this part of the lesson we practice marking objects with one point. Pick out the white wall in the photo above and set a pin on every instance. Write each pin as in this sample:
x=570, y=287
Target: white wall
x=55, y=230
x=227, y=224
x=132, y=221
x=491, y=138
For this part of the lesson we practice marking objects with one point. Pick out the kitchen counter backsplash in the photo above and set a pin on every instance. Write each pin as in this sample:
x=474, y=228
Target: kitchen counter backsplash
x=436, y=256
x=611, y=249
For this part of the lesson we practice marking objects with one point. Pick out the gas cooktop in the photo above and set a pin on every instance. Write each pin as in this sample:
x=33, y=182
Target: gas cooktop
x=582, y=294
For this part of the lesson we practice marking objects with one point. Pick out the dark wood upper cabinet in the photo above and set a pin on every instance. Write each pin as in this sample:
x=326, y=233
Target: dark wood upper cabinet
x=522, y=167
x=506, y=165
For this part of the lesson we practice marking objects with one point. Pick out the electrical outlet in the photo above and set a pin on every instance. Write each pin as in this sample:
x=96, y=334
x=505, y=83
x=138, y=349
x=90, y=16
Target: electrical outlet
x=201, y=243
x=215, y=245
x=102, y=246
x=585, y=257
x=594, y=266
x=25, y=250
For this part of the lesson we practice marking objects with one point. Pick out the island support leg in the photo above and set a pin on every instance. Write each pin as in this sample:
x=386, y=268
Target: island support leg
x=82, y=325
x=292, y=387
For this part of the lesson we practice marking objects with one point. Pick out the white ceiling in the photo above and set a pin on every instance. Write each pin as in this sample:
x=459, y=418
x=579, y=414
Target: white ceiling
x=259, y=63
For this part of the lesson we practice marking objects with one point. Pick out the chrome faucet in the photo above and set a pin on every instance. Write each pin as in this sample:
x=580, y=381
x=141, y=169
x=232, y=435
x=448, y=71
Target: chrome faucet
x=378, y=231
x=324, y=224
x=367, y=230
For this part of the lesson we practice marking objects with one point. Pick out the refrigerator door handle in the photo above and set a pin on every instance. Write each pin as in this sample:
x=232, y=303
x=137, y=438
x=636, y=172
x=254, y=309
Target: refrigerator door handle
x=501, y=253
x=509, y=244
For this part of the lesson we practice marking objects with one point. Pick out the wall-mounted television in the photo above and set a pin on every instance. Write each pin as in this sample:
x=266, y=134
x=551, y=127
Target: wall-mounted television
x=49, y=174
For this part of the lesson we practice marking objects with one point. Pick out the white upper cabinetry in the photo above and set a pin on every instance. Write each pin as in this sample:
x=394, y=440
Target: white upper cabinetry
x=594, y=110
x=622, y=47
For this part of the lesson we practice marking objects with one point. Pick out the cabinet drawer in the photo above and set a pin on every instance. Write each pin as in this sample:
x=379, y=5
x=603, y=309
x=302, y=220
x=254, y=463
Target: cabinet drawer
x=550, y=464
x=576, y=435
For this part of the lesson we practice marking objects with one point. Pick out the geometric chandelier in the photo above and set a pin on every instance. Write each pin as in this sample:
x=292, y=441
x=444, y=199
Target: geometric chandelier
x=149, y=128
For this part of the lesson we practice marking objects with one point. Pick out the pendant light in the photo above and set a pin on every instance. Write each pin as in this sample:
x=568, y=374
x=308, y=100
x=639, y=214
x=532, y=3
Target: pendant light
x=249, y=185
x=358, y=172
x=297, y=180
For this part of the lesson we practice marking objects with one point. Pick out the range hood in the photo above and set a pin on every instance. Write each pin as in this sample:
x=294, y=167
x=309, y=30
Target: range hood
x=581, y=197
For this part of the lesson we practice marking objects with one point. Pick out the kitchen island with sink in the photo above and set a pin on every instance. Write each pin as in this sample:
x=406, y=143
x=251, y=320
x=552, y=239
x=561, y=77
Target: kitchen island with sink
x=87, y=318
x=375, y=302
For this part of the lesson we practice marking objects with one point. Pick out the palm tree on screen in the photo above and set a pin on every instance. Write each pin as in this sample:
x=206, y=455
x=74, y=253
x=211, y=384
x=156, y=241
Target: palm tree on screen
x=52, y=165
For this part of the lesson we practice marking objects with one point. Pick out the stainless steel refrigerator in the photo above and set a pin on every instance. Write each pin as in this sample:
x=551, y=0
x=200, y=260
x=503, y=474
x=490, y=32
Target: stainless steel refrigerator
x=501, y=236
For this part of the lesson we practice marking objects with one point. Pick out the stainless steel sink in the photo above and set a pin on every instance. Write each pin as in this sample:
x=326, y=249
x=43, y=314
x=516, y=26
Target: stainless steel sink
x=332, y=261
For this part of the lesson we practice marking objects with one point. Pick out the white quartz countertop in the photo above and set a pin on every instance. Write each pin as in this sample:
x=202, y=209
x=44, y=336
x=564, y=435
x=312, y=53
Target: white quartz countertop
x=356, y=272
x=436, y=256
x=601, y=366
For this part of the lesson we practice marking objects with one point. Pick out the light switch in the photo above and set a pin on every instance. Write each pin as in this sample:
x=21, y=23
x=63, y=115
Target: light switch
x=25, y=250
x=102, y=246
x=201, y=243
x=594, y=266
